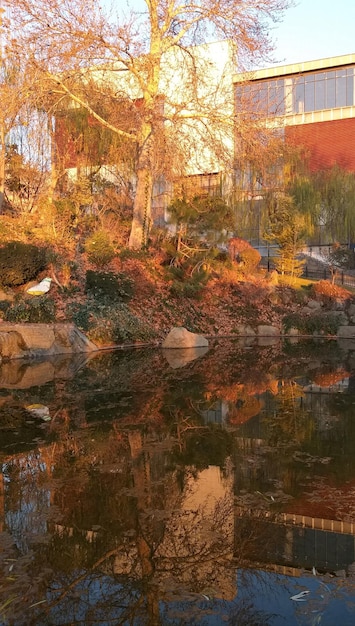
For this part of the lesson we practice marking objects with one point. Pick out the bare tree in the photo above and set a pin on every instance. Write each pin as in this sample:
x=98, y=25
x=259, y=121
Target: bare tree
x=155, y=56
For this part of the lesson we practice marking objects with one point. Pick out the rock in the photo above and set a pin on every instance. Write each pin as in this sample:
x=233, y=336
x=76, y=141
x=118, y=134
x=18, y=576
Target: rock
x=346, y=332
x=11, y=344
x=340, y=573
x=18, y=341
x=314, y=305
x=245, y=331
x=180, y=337
x=267, y=331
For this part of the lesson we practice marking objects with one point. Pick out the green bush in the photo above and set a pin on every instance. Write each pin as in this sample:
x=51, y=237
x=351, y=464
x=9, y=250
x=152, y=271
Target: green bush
x=109, y=324
x=326, y=324
x=39, y=310
x=99, y=249
x=188, y=286
x=108, y=287
x=20, y=262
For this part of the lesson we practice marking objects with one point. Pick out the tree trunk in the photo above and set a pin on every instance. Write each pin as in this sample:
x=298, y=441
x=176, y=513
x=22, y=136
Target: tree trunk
x=142, y=209
x=2, y=165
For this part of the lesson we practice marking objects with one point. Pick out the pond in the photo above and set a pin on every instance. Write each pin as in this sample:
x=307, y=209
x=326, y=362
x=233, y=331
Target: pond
x=154, y=487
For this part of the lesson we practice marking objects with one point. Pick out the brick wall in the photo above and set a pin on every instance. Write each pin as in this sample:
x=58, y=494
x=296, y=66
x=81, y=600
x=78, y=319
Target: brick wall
x=327, y=143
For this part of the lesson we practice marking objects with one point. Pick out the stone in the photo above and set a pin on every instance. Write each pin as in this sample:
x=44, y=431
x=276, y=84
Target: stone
x=180, y=337
x=267, y=331
x=18, y=341
x=346, y=332
x=11, y=344
x=245, y=331
x=314, y=305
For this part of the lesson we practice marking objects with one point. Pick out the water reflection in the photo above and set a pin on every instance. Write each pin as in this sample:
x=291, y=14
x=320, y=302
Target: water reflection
x=144, y=491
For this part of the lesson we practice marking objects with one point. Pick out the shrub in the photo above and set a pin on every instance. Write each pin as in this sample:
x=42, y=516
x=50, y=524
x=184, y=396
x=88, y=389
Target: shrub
x=99, y=249
x=119, y=325
x=328, y=291
x=249, y=258
x=109, y=324
x=20, y=262
x=188, y=286
x=39, y=310
x=324, y=323
x=107, y=286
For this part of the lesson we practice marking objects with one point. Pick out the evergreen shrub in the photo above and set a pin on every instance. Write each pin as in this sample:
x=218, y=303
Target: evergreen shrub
x=108, y=286
x=105, y=324
x=39, y=310
x=323, y=323
x=99, y=249
x=20, y=262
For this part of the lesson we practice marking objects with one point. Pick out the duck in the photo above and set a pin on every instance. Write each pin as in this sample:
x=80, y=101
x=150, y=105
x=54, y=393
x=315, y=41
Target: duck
x=41, y=288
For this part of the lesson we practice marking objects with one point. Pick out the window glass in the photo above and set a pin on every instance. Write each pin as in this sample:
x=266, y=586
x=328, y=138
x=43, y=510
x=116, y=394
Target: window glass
x=259, y=99
x=309, y=78
x=319, y=95
x=238, y=98
x=298, y=98
x=276, y=97
x=309, y=92
x=309, y=96
x=350, y=91
x=330, y=93
x=340, y=99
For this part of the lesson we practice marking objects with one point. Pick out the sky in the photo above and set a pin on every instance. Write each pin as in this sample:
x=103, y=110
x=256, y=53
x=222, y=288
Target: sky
x=311, y=30
x=315, y=29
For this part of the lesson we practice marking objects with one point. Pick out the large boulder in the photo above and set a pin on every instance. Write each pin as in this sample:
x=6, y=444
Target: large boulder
x=18, y=341
x=180, y=337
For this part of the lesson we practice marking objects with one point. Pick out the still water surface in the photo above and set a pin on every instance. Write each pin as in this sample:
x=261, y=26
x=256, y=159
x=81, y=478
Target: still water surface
x=144, y=487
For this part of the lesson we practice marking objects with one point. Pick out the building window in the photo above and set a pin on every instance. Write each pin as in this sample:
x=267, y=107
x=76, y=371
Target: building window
x=314, y=91
x=199, y=185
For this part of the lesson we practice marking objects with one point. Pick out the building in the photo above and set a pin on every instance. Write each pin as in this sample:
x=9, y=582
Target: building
x=312, y=103
x=309, y=107
x=190, y=85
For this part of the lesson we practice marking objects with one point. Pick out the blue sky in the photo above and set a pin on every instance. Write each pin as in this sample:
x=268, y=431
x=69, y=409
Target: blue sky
x=312, y=29
x=315, y=29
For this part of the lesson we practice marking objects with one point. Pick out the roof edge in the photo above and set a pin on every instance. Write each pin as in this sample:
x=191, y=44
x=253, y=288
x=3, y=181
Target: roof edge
x=295, y=68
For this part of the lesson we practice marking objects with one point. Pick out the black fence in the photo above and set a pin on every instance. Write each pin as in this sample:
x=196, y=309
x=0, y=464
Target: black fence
x=321, y=273
x=341, y=277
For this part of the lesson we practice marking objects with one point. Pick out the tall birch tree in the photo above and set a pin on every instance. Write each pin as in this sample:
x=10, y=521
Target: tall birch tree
x=77, y=43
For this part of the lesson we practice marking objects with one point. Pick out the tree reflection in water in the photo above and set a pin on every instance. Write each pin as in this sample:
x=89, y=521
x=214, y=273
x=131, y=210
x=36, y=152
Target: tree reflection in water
x=159, y=494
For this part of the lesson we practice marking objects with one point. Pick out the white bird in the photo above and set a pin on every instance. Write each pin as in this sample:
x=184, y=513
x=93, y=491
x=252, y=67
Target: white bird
x=40, y=288
x=39, y=410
